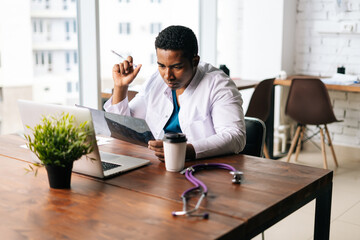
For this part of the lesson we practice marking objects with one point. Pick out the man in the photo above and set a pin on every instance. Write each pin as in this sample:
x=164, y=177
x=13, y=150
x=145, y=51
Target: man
x=185, y=96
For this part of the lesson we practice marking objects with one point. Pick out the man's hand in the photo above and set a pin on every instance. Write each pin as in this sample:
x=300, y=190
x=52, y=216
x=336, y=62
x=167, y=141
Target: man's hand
x=123, y=74
x=158, y=147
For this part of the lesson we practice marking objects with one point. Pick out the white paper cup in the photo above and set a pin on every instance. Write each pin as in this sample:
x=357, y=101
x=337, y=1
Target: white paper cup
x=174, y=151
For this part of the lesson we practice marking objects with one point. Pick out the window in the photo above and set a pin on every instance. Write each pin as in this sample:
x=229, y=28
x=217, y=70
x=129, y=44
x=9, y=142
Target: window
x=49, y=58
x=48, y=31
x=75, y=57
x=229, y=49
x=41, y=26
x=45, y=47
x=67, y=58
x=124, y=28
x=49, y=61
x=67, y=30
x=134, y=34
x=155, y=28
x=69, y=87
x=67, y=27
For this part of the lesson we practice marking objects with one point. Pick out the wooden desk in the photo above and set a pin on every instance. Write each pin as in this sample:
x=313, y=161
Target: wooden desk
x=346, y=88
x=243, y=84
x=92, y=210
x=139, y=203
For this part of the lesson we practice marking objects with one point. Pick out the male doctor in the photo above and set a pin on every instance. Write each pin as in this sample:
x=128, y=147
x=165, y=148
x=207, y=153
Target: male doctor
x=183, y=95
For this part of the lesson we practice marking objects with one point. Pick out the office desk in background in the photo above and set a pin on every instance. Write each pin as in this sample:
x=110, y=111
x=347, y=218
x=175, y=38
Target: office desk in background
x=345, y=88
x=138, y=204
x=286, y=83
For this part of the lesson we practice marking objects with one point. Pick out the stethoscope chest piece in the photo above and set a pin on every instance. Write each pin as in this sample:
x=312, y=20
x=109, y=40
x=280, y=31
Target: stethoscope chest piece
x=237, y=176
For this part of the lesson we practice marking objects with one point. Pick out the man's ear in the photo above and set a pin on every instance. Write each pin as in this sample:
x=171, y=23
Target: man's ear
x=196, y=60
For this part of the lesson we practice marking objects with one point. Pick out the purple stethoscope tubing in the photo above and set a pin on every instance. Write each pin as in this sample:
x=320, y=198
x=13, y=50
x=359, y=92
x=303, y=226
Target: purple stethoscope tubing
x=200, y=185
x=189, y=175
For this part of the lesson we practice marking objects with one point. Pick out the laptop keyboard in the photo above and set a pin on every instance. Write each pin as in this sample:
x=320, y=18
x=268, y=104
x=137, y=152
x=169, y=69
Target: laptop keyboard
x=107, y=166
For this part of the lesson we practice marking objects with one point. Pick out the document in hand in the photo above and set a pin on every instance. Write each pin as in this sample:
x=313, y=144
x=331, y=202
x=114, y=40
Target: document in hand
x=127, y=128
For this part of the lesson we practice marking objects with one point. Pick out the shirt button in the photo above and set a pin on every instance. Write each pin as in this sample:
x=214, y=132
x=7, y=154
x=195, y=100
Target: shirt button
x=166, y=116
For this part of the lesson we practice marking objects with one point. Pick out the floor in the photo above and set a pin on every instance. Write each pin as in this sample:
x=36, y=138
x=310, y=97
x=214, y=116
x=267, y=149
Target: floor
x=345, y=212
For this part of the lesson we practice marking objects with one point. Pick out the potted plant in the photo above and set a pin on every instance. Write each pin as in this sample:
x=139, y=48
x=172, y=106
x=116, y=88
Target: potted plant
x=58, y=141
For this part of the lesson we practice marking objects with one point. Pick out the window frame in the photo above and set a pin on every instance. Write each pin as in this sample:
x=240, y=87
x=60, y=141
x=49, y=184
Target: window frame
x=89, y=46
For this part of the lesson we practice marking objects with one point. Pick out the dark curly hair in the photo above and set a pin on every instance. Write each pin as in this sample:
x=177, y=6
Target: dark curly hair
x=178, y=38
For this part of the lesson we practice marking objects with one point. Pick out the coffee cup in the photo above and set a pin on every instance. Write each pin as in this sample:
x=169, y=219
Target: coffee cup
x=174, y=151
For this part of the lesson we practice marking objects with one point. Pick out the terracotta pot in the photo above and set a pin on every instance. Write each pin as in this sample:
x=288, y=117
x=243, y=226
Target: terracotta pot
x=59, y=177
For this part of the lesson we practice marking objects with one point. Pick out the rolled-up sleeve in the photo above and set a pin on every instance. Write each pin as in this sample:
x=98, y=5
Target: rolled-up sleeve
x=121, y=108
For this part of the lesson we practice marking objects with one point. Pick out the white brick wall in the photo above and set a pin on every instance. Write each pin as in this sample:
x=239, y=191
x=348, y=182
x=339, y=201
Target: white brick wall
x=321, y=47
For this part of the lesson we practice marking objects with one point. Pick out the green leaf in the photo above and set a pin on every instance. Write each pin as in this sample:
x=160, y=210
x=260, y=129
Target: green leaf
x=59, y=139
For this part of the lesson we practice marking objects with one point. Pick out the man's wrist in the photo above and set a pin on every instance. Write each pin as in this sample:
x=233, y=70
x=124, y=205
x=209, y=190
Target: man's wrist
x=119, y=94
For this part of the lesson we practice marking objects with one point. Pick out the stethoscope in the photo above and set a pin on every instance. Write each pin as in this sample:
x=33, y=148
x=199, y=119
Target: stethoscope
x=237, y=178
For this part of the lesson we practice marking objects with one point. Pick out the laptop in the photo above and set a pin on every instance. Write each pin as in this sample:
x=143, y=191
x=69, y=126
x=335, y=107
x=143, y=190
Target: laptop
x=105, y=165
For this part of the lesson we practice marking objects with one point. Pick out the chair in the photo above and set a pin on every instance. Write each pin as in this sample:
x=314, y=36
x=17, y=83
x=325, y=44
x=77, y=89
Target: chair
x=255, y=137
x=308, y=103
x=260, y=103
x=131, y=94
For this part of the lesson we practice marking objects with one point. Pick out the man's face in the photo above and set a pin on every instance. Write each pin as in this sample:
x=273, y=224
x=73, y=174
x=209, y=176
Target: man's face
x=176, y=70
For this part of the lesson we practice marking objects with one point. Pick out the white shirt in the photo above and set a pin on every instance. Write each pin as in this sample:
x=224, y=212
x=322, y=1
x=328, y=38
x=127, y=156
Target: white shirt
x=210, y=115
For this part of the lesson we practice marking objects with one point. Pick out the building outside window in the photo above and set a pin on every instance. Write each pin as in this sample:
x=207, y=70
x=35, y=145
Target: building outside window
x=41, y=25
x=115, y=22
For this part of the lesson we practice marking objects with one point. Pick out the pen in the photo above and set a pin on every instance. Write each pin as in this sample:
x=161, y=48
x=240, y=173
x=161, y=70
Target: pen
x=117, y=54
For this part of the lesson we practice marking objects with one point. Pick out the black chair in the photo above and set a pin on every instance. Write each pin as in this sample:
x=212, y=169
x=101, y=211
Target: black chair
x=260, y=104
x=255, y=137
